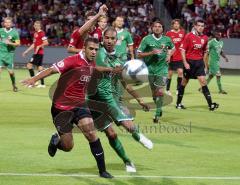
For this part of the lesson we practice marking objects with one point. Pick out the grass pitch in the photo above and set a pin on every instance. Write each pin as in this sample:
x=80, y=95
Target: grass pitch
x=191, y=147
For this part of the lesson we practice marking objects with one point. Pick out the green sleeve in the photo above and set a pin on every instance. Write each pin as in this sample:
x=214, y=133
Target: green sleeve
x=16, y=36
x=100, y=59
x=143, y=45
x=129, y=39
x=170, y=43
x=209, y=45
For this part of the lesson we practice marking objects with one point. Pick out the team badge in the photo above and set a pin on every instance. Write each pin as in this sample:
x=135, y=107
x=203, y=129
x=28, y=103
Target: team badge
x=180, y=35
x=202, y=41
x=60, y=64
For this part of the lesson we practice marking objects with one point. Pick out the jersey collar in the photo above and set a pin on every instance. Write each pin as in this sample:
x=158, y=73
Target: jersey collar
x=119, y=31
x=7, y=30
x=112, y=53
x=156, y=37
x=82, y=56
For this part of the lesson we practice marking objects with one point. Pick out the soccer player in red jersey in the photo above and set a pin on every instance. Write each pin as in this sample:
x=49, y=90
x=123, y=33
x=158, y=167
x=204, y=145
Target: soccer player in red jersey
x=87, y=30
x=177, y=35
x=69, y=96
x=39, y=41
x=194, y=51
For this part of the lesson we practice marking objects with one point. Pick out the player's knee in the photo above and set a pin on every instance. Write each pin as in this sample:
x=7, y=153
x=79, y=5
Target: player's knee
x=40, y=68
x=29, y=66
x=159, y=92
x=111, y=134
x=91, y=135
x=67, y=145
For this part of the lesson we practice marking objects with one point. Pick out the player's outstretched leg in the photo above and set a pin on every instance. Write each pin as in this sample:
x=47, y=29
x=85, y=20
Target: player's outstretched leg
x=219, y=84
x=41, y=85
x=87, y=127
x=136, y=134
x=118, y=148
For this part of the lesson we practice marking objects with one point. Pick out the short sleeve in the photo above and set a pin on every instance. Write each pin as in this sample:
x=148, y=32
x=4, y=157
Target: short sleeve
x=74, y=39
x=16, y=36
x=185, y=43
x=65, y=64
x=142, y=46
x=43, y=36
x=129, y=39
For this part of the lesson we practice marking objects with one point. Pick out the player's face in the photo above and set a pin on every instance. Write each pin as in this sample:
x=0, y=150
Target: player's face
x=109, y=40
x=199, y=27
x=91, y=51
x=176, y=25
x=119, y=22
x=157, y=28
x=102, y=23
x=37, y=26
x=7, y=23
x=218, y=35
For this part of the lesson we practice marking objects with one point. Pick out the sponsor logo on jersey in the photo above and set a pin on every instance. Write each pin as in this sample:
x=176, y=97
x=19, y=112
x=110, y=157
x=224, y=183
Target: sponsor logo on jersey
x=85, y=78
x=197, y=46
x=177, y=40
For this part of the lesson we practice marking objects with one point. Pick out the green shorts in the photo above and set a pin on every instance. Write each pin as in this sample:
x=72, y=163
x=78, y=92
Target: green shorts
x=106, y=110
x=214, y=70
x=157, y=81
x=6, y=59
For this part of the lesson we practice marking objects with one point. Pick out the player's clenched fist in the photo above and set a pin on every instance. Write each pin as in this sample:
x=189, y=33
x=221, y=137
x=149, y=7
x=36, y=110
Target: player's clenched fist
x=103, y=10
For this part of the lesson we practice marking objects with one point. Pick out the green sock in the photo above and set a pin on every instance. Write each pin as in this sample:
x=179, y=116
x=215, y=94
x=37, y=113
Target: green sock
x=159, y=103
x=12, y=76
x=219, y=83
x=135, y=134
x=117, y=146
x=208, y=80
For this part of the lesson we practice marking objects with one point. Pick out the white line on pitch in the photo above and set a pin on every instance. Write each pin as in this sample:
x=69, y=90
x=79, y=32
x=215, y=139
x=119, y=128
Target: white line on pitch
x=121, y=176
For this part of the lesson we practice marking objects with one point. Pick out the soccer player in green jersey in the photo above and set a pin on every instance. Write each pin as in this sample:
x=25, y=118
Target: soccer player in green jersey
x=9, y=40
x=108, y=93
x=156, y=50
x=215, y=50
x=124, y=39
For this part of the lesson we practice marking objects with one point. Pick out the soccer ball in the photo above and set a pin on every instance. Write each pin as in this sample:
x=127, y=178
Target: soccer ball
x=135, y=71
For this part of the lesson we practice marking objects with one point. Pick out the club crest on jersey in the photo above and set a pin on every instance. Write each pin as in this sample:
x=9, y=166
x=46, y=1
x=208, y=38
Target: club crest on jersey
x=180, y=35
x=202, y=41
x=60, y=64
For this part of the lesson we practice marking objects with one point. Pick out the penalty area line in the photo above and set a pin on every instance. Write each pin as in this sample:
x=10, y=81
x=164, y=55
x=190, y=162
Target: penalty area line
x=123, y=176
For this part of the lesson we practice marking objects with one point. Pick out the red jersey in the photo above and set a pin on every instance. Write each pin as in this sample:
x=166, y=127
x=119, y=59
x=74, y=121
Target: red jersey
x=194, y=45
x=72, y=85
x=77, y=41
x=39, y=37
x=177, y=38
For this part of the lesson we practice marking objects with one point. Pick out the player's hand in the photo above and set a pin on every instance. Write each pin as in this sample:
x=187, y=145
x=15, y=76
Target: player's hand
x=103, y=10
x=117, y=69
x=156, y=51
x=30, y=82
x=145, y=106
x=186, y=65
x=7, y=41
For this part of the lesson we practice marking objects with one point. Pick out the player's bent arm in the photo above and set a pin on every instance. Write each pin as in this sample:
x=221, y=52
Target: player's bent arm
x=86, y=27
x=28, y=49
x=131, y=50
x=72, y=49
x=43, y=74
x=16, y=43
x=170, y=53
x=134, y=94
x=116, y=69
x=144, y=54
x=224, y=56
x=183, y=53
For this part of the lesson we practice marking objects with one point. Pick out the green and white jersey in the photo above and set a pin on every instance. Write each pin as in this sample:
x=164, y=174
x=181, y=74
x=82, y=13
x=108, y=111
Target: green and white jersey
x=12, y=35
x=214, y=49
x=124, y=39
x=109, y=85
x=157, y=64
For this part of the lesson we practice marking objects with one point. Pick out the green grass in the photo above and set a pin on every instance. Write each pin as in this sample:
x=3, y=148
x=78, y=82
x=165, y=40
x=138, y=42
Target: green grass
x=209, y=149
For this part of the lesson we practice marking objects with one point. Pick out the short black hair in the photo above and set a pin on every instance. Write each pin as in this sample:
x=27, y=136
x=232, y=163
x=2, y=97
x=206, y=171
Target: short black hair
x=91, y=39
x=157, y=20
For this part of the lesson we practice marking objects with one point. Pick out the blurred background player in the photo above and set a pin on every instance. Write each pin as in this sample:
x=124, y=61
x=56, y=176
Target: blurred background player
x=9, y=40
x=102, y=24
x=39, y=42
x=156, y=50
x=79, y=35
x=177, y=35
x=194, y=51
x=215, y=50
x=124, y=39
